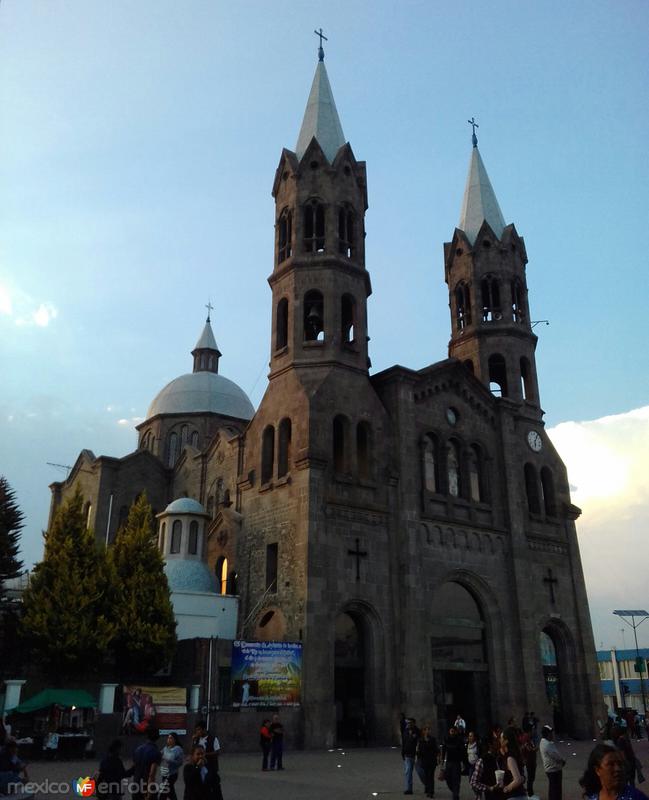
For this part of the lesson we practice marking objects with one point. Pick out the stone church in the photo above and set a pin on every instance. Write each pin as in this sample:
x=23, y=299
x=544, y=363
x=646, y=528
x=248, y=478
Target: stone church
x=412, y=528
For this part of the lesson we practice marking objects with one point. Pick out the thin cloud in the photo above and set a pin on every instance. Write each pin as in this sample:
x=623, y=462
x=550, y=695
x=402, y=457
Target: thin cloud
x=25, y=310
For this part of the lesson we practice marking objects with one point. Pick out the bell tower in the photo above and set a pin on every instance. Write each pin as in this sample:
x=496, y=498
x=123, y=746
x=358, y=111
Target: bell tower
x=319, y=282
x=491, y=330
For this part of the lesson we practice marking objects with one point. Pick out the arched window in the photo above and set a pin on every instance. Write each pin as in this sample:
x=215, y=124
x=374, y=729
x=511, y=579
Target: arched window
x=194, y=439
x=284, y=450
x=341, y=444
x=192, y=547
x=271, y=567
x=347, y=319
x=547, y=488
x=532, y=489
x=87, y=511
x=431, y=463
x=314, y=227
x=491, y=307
x=518, y=301
x=144, y=441
x=498, y=375
x=267, y=454
x=527, y=389
x=281, y=324
x=285, y=236
x=346, y=232
x=210, y=506
x=163, y=534
x=462, y=306
x=183, y=436
x=363, y=450
x=476, y=474
x=222, y=574
x=176, y=537
x=313, y=317
x=202, y=360
x=453, y=471
x=172, y=449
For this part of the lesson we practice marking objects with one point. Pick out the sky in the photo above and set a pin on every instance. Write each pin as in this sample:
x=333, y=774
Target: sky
x=138, y=145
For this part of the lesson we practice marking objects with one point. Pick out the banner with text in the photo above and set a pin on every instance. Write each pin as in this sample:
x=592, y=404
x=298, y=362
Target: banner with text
x=266, y=674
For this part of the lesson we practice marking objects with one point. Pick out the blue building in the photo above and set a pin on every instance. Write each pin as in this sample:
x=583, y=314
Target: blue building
x=621, y=683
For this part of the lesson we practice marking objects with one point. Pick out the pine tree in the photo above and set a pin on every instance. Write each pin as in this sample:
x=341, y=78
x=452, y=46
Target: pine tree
x=67, y=622
x=11, y=523
x=146, y=636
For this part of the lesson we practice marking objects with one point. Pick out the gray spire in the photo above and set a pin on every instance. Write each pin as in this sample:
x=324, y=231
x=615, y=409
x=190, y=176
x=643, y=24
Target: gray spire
x=479, y=204
x=321, y=118
x=206, y=352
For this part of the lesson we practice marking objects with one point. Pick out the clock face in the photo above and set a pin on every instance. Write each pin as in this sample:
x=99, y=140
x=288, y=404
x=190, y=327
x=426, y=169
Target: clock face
x=451, y=416
x=534, y=441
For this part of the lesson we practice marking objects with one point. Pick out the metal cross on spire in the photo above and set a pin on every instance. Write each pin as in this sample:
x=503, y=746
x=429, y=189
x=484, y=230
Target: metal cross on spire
x=209, y=308
x=474, y=125
x=320, y=50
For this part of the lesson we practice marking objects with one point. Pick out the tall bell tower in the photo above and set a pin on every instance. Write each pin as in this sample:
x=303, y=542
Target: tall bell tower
x=319, y=281
x=491, y=331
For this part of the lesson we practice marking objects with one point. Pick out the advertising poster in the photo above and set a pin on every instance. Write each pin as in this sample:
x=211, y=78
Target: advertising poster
x=160, y=707
x=266, y=674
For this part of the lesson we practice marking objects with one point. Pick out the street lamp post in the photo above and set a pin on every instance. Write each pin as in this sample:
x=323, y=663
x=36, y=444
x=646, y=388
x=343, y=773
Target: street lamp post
x=639, y=662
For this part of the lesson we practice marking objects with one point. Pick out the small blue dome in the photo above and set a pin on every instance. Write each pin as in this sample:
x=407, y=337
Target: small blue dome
x=185, y=505
x=185, y=575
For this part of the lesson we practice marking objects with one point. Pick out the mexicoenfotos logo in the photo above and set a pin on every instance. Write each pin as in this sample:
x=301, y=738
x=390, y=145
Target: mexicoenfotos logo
x=84, y=787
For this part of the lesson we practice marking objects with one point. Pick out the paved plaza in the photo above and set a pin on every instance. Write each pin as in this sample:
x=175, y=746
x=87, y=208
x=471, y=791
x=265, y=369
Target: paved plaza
x=338, y=775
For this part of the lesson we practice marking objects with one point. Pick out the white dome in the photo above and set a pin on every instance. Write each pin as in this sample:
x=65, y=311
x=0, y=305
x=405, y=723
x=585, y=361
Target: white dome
x=185, y=505
x=202, y=392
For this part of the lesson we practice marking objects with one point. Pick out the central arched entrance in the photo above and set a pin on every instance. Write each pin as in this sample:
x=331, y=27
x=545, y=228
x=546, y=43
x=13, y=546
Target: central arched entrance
x=459, y=659
x=350, y=685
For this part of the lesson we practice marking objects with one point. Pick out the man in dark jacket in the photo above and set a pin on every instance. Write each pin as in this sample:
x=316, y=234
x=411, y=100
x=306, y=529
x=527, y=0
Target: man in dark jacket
x=427, y=758
x=201, y=781
x=145, y=763
x=454, y=756
x=409, y=752
x=209, y=743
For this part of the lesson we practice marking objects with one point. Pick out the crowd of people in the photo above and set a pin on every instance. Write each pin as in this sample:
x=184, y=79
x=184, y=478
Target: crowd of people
x=503, y=763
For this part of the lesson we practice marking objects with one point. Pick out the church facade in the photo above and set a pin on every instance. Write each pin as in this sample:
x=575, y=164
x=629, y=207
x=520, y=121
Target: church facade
x=412, y=528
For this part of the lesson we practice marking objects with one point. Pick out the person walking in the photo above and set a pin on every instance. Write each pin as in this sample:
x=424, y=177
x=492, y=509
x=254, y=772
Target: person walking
x=427, y=759
x=472, y=754
x=277, y=744
x=209, y=743
x=266, y=742
x=111, y=773
x=553, y=763
x=454, y=755
x=202, y=781
x=409, y=753
x=172, y=760
x=483, y=778
x=510, y=761
x=145, y=765
x=605, y=776
x=528, y=751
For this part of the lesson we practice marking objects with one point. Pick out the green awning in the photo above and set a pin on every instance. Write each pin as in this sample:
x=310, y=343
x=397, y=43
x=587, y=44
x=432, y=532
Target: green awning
x=59, y=697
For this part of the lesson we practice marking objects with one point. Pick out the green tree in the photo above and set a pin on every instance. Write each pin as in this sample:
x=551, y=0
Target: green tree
x=146, y=628
x=11, y=523
x=67, y=620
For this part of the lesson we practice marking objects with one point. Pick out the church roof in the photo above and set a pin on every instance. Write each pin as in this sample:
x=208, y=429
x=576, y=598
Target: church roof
x=206, y=340
x=189, y=575
x=321, y=118
x=185, y=505
x=204, y=392
x=479, y=203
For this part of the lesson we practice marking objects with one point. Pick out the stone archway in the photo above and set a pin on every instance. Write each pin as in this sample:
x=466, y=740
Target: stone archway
x=359, y=675
x=460, y=659
x=558, y=662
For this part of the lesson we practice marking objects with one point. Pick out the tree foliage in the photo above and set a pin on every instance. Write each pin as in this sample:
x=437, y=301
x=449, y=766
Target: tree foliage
x=68, y=623
x=146, y=630
x=11, y=523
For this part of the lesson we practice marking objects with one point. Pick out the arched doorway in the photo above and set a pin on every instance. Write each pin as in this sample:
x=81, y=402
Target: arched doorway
x=551, y=678
x=350, y=685
x=459, y=659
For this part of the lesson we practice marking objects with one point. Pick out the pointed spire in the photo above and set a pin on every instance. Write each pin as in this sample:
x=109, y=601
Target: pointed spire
x=321, y=117
x=479, y=203
x=206, y=352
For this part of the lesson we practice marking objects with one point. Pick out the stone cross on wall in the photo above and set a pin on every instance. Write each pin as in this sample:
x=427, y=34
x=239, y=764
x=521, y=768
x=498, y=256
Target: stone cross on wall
x=550, y=580
x=358, y=553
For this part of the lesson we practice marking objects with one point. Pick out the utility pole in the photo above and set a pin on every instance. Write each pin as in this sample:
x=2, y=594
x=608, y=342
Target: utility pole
x=639, y=662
